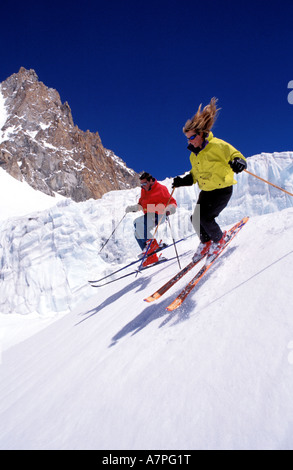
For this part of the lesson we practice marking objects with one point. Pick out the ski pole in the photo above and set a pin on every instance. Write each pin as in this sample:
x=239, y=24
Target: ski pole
x=161, y=219
x=174, y=243
x=265, y=181
x=112, y=234
x=155, y=233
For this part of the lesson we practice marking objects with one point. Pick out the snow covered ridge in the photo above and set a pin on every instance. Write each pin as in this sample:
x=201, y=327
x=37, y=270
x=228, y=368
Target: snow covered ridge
x=46, y=257
x=119, y=161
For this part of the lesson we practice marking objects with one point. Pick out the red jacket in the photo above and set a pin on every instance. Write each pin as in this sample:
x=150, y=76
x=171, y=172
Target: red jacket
x=156, y=199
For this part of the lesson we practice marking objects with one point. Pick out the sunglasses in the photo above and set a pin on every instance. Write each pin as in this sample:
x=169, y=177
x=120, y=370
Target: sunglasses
x=193, y=136
x=143, y=184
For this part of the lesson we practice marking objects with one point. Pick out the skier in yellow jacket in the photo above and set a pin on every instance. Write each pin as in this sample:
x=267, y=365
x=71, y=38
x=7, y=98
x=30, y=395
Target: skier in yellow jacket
x=214, y=163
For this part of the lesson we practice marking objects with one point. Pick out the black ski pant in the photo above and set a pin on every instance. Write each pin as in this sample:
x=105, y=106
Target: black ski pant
x=209, y=205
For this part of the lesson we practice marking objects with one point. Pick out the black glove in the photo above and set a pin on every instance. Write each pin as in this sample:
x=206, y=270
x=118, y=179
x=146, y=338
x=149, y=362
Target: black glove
x=238, y=165
x=186, y=181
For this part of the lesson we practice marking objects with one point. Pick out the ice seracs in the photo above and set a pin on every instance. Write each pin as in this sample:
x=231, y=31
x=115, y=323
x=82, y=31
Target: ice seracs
x=46, y=257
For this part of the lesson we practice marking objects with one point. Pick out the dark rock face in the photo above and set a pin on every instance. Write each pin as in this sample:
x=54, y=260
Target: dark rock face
x=40, y=144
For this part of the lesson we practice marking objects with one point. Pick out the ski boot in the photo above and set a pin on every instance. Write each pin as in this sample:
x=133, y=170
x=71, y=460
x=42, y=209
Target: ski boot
x=202, y=250
x=216, y=246
x=152, y=257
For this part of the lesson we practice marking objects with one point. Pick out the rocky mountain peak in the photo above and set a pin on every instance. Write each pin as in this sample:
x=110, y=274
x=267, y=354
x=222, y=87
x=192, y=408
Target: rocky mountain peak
x=40, y=144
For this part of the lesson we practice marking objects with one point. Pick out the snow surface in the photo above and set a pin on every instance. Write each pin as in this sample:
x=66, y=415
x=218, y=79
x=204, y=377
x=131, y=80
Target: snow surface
x=118, y=373
x=14, y=206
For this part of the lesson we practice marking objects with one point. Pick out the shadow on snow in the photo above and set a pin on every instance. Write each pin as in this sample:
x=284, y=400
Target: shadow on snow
x=157, y=310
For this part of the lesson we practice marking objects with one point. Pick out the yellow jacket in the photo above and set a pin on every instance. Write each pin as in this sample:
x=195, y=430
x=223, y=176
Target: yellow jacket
x=210, y=167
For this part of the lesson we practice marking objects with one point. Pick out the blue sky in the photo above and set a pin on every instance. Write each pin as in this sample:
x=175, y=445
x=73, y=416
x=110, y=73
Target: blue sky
x=135, y=71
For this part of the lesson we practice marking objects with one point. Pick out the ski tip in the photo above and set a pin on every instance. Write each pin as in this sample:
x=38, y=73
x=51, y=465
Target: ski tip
x=152, y=297
x=243, y=221
x=174, y=305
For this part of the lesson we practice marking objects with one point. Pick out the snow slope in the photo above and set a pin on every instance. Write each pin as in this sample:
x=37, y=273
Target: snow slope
x=19, y=199
x=117, y=373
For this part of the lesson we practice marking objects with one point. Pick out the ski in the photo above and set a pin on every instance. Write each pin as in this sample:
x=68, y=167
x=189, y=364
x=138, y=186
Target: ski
x=156, y=295
x=162, y=260
x=209, y=262
x=135, y=262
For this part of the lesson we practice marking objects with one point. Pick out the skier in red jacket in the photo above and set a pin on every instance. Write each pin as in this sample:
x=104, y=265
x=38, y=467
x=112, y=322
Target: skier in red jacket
x=153, y=202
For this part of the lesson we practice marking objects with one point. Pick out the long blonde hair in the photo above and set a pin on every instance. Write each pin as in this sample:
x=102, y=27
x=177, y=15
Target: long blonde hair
x=203, y=120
